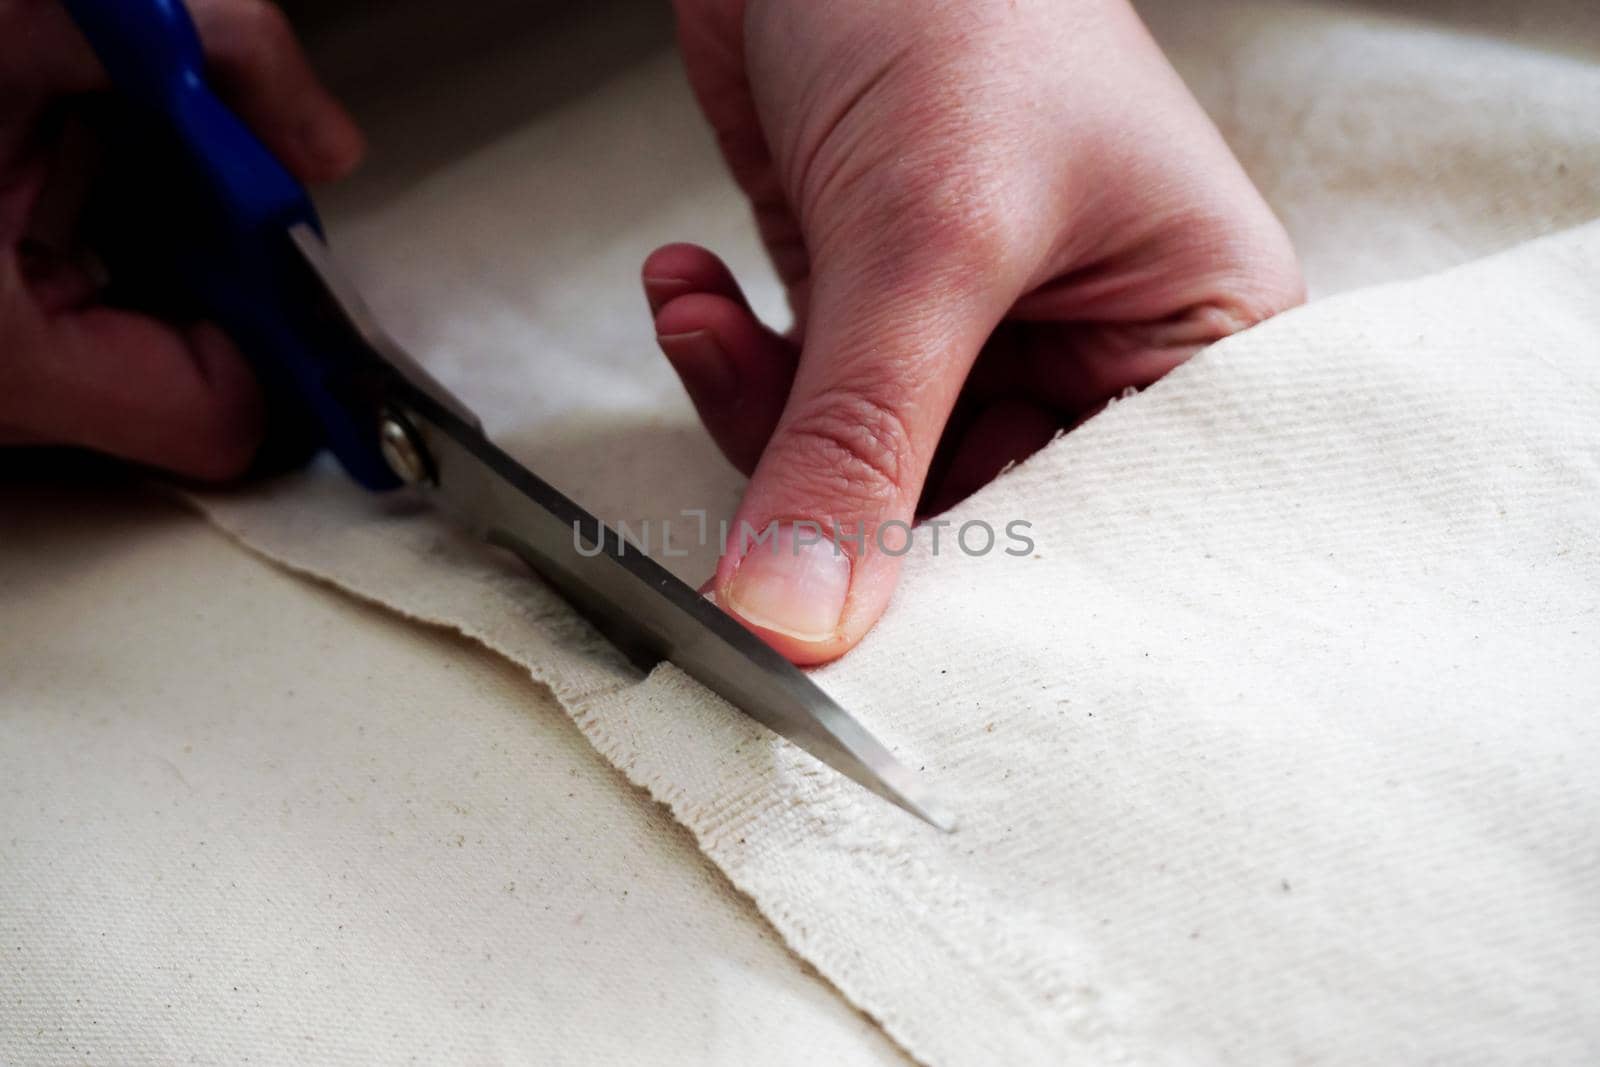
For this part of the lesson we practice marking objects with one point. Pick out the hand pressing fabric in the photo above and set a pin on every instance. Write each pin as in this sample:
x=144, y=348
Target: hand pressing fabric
x=173, y=395
x=991, y=218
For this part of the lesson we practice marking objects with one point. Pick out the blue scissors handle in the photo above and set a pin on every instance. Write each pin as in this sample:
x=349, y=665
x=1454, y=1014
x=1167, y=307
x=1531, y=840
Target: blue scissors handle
x=232, y=204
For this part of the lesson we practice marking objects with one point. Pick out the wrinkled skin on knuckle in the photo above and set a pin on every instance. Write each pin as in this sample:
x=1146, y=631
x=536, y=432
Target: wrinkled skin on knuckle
x=850, y=448
x=928, y=221
x=903, y=126
x=956, y=206
x=1277, y=282
x=1262, y=280
x=1214, y=265
x=1253, y=260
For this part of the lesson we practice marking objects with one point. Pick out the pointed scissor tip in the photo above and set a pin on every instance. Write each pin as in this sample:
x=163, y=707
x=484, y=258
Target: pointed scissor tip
x=908, y=794
x=941, y=819
x=929, y=811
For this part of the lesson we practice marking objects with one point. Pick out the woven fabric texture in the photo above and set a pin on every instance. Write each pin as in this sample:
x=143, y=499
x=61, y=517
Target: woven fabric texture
x=1278, y=747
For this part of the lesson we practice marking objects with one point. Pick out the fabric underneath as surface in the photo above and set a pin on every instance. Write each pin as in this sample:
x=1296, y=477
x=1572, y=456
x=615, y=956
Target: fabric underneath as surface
x=1287, y=721
x=1281, y=747
x=1278, y=750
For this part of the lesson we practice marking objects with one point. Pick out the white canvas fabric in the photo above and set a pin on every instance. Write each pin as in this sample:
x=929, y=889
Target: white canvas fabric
x=1278, y=748
x=244, y=819
x=1279, y=745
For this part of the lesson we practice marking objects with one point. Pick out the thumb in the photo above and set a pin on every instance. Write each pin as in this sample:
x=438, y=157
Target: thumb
x=815, y=548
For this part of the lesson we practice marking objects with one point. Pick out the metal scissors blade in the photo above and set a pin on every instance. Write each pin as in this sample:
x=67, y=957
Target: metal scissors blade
x=433, y=442
x=311, y=339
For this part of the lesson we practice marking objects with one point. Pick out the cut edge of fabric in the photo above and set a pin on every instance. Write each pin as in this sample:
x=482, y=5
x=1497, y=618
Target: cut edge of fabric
x=584, y=691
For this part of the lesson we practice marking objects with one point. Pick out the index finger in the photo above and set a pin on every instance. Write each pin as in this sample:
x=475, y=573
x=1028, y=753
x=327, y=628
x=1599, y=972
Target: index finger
x=253, y=58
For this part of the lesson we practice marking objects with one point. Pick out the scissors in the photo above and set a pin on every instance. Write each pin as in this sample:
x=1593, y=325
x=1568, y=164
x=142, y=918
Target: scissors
x=245, y=245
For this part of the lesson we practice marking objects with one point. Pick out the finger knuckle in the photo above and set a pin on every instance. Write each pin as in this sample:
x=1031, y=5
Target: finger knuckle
x=1282, y=285
x=930, y=214
x=1243, y=301
x=1253, y=270
x=961, y=216
x=855, y=445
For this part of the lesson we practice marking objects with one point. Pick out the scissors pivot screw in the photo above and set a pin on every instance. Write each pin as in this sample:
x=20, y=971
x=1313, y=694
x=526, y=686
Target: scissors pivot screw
x=402, y=450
